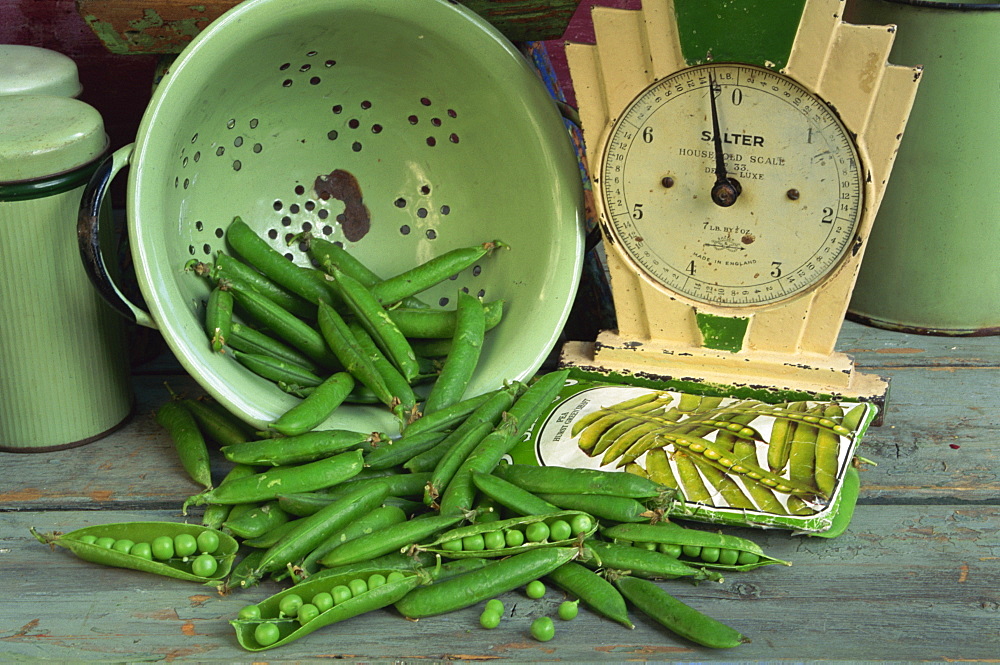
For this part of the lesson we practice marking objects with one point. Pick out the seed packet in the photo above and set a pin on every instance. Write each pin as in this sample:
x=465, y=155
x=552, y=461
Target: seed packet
x=731, y=460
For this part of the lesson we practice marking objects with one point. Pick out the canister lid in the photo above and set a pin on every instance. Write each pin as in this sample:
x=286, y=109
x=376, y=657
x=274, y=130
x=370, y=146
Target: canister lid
x=30, y=70
x=42, y=136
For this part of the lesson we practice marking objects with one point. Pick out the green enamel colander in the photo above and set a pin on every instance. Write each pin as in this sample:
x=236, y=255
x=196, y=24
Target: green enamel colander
x=447, y=132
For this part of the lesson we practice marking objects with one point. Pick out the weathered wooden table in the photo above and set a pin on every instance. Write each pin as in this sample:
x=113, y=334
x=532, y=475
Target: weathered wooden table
x=916, y=577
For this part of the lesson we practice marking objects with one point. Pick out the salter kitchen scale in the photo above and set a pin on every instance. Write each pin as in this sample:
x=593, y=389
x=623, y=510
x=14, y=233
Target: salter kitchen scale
x=738, y=153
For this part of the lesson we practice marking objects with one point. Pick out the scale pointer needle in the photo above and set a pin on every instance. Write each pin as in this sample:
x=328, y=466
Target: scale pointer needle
x=726, y=190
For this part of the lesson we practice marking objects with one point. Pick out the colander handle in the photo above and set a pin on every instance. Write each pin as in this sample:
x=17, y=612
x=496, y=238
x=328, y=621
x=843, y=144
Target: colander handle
x=88, y=229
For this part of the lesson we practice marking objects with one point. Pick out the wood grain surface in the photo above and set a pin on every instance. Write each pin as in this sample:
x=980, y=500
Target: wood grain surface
x=915, y=578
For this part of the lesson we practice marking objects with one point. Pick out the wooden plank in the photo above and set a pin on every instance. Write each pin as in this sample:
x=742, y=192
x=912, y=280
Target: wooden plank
x=935, y=404
x=878, y=348
x=166, y=26
x=905, y=583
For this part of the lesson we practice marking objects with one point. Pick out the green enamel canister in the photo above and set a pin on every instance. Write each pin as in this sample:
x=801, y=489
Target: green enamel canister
x=63, y=366
x=931, y=263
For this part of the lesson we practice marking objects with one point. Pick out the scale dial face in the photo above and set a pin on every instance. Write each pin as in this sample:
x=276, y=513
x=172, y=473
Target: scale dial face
x=767, y=221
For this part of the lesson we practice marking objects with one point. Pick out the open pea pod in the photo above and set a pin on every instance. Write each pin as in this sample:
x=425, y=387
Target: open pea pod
x=693, y=546
x=282, y=618
x=143, y=546
x=512, y=536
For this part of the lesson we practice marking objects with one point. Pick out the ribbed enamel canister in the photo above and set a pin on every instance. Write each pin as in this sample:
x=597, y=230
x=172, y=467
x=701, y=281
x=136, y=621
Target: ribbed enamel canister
x=931, y=263
x=63, y=364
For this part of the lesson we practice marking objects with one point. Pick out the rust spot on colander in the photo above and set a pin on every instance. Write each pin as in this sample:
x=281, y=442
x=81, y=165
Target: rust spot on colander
x=343, y=186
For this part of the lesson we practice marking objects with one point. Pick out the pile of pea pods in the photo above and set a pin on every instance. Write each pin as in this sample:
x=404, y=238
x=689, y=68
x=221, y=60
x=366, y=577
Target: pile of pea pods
x=424, y=521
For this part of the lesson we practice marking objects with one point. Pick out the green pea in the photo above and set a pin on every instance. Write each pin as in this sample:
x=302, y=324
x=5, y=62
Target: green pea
x=89, y=539
x=185, y=544
x=204, y=565
x=569, y=609
x=107, y=542
x=208, y=542
x=340, y=593
x=323, y=601
x=729, y=557
x=289, y=605
x=535, y=589
x=692, y=551
x=542, y=629
x=581, y=524
x=266, y=634
x=307, y=613
x=394, y=576
x=536, y=532
x=474, y=542
x=452, y=545
x=494, y=605
x=645, y=546
x=489, y=620
x=376, y=580
x=123, y=545
x=514, y=537
x=671, y=549
x=560, y=530
x=494, y=540
x=143, y=551
x=710, y=554
x=163, y=547
x=249, y=613
x=747, y=558
x=357, y=586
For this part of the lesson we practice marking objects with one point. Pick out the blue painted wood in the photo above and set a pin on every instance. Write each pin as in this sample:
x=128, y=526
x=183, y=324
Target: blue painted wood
x=913, y=578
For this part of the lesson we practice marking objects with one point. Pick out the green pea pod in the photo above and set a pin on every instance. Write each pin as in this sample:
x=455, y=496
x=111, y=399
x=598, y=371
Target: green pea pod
x=449, y=417
x=392, y=539
x=510, y=496
x=381, y=517
x=596, y=592
x=278, y=370
x=642, y=562
x=311, y=531
x=219, y=318
x=317, y=407
x=567, y=480
x=404, y=399
x=188, y=441
x=670, y=533
x=228, y=270
x=439, y=323
x=215, y=515
x=446, y=543
x=602, y=506
x=282, y=480
x=238, y=576
x=287, y=326
x=374, y=319
x=328, y=255
x=460, y=493
x=676, y=616
x=394, y=453
x=431, y=272
x=257, y=521
x=83, y=543
x=307, y=447
x=260, y=255
x=483, y=583
x=248, y=340
x=266, y=540
x=461, y=362
x=290, y=628
x=391, y=561
x=217, y=424
x=344, y=345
